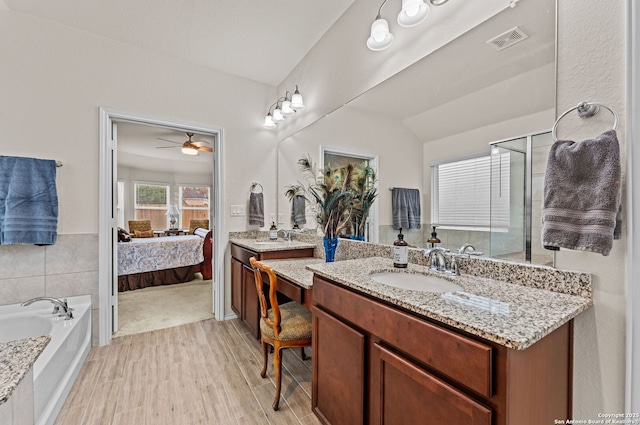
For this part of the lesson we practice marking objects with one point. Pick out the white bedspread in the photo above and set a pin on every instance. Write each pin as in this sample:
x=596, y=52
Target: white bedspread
x=151, y=254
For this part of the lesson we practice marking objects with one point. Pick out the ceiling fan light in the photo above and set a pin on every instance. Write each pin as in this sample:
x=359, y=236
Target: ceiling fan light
x=268, y=122
x=413, y=13
x=296, y=100
x=380, y=37
x=277, y=116
x=286, y=108
x=189, y=151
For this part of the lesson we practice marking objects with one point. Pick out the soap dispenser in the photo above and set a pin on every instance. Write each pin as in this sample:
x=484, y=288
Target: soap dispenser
x=434, y=238
x=273, y=232
x=400, y=252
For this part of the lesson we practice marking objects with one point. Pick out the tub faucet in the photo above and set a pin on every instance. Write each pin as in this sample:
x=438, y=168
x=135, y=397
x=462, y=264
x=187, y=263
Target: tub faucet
x=469, y=250
x=61, y=308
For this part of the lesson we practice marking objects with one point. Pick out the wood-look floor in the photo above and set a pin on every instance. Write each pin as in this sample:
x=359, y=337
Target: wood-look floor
x=205, y=372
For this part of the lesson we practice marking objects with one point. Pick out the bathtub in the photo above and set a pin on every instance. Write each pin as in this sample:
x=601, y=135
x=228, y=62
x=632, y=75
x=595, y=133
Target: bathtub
x=59, y=364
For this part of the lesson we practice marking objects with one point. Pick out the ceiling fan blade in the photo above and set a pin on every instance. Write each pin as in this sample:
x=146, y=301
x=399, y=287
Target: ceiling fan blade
x=202, y=143
x=204, y=148
x=167, y=147
x=167, y=140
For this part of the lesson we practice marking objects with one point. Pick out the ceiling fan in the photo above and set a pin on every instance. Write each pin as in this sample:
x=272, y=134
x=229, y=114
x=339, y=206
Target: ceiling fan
x=189, y=147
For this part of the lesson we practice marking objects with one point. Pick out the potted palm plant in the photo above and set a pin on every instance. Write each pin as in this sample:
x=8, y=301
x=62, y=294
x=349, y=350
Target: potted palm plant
x=332, y=194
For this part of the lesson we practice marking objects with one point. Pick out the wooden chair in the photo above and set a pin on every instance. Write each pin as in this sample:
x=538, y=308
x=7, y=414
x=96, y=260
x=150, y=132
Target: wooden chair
x=198, y=223
x=282, y=326
x=140, y=225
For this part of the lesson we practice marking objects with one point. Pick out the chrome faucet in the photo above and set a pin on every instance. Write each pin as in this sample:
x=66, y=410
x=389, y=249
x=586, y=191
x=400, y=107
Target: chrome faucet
x=61, y=308
x=469, y=250
x=437, y=262
x=286, y=233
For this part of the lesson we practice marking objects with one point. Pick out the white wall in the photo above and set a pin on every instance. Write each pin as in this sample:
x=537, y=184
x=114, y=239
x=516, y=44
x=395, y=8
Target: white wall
x=53, y=79
x=399, y=151
x=591, y=67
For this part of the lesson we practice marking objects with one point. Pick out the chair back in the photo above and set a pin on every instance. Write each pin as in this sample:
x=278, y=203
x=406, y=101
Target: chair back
x=140, y=225
x=258, y=268
x=198, y=223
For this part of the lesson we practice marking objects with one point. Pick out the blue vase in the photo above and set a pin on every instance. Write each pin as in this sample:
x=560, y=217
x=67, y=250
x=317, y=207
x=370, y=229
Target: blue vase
x=330, y=246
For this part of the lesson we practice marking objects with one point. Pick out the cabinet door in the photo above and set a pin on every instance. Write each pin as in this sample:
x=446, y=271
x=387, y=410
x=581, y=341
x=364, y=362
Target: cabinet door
x=403, y=393
x=338, y=367
x=236, y=287
x=250, y=303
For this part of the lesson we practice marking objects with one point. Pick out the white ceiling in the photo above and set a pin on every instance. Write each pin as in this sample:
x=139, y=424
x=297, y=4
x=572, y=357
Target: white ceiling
x=140, y=147
x=235, y=35
x=228, y=35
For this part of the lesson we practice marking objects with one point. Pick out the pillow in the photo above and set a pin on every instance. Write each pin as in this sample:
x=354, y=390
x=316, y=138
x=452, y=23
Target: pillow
x=143, y=234
x=123, y=235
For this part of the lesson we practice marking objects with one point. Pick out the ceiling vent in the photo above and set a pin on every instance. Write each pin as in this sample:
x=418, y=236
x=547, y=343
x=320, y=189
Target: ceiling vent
x=508, y=38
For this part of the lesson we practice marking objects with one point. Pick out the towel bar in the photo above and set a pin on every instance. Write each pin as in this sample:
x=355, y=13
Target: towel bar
x=254, y=184
x=585, y=110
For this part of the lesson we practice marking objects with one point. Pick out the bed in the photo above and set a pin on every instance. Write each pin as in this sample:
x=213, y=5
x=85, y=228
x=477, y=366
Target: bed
x=167, y=260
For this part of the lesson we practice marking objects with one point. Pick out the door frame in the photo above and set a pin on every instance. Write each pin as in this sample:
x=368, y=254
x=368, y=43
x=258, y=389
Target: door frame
x=107, y=222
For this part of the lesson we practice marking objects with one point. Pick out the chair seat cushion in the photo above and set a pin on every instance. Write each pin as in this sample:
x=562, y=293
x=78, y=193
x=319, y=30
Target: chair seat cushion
x=295, y=323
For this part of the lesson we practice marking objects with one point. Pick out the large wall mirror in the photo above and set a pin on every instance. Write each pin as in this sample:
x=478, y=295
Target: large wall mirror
x=449, y=106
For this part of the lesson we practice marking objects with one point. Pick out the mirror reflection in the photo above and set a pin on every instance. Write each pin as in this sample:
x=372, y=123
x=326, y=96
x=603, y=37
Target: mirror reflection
x=494, y=83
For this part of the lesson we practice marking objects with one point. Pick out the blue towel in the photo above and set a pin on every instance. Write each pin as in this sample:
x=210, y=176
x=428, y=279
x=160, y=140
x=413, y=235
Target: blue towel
x=405, y=208
x=28, y=201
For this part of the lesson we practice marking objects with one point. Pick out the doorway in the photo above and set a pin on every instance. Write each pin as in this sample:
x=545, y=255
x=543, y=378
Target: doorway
x=109, y=212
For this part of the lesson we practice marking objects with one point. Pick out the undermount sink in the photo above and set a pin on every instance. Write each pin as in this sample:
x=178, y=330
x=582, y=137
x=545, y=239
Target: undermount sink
x=270, y=242
x=415, y=282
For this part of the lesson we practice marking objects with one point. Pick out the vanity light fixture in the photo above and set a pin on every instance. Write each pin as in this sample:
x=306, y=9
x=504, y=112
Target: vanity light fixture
x=413, y=13
x=283, y=107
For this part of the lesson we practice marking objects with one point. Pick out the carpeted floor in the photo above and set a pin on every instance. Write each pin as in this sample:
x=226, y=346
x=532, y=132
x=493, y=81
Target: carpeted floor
x=162, y=307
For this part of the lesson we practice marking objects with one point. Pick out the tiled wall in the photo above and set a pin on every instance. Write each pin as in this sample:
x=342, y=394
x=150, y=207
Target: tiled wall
x=66, y=269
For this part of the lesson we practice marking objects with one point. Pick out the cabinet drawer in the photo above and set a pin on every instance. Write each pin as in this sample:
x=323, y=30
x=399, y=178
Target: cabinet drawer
x=408, y=394
x=467, y=361
x=294, y=292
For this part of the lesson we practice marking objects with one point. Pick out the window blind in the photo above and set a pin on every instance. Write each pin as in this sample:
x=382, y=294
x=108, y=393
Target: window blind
x=461, y=192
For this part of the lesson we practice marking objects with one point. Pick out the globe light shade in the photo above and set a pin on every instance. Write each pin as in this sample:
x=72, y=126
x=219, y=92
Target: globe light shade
x=277, y=116
x=413, y=13
x=296, y=101
x=268, y=122
x=189, y=151
x=380, y=37
x=286, y=108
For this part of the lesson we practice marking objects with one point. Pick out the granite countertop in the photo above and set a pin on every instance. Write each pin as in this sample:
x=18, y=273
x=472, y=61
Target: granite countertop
x=266, y=245
x=16, y=359
x=511, y=315
x=294, y=270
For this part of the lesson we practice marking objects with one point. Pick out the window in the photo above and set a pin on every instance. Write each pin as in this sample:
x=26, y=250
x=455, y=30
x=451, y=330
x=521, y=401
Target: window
x=194, y=203
x=461, y=193
x=151, y=202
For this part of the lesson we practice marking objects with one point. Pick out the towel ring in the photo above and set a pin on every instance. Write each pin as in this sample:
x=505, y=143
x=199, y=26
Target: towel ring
x=253, y=185
x=585, y=110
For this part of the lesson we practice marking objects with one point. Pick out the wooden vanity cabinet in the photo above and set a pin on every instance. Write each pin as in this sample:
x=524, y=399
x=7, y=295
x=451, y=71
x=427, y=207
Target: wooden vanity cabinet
x=376, y=364
x=244, y=298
